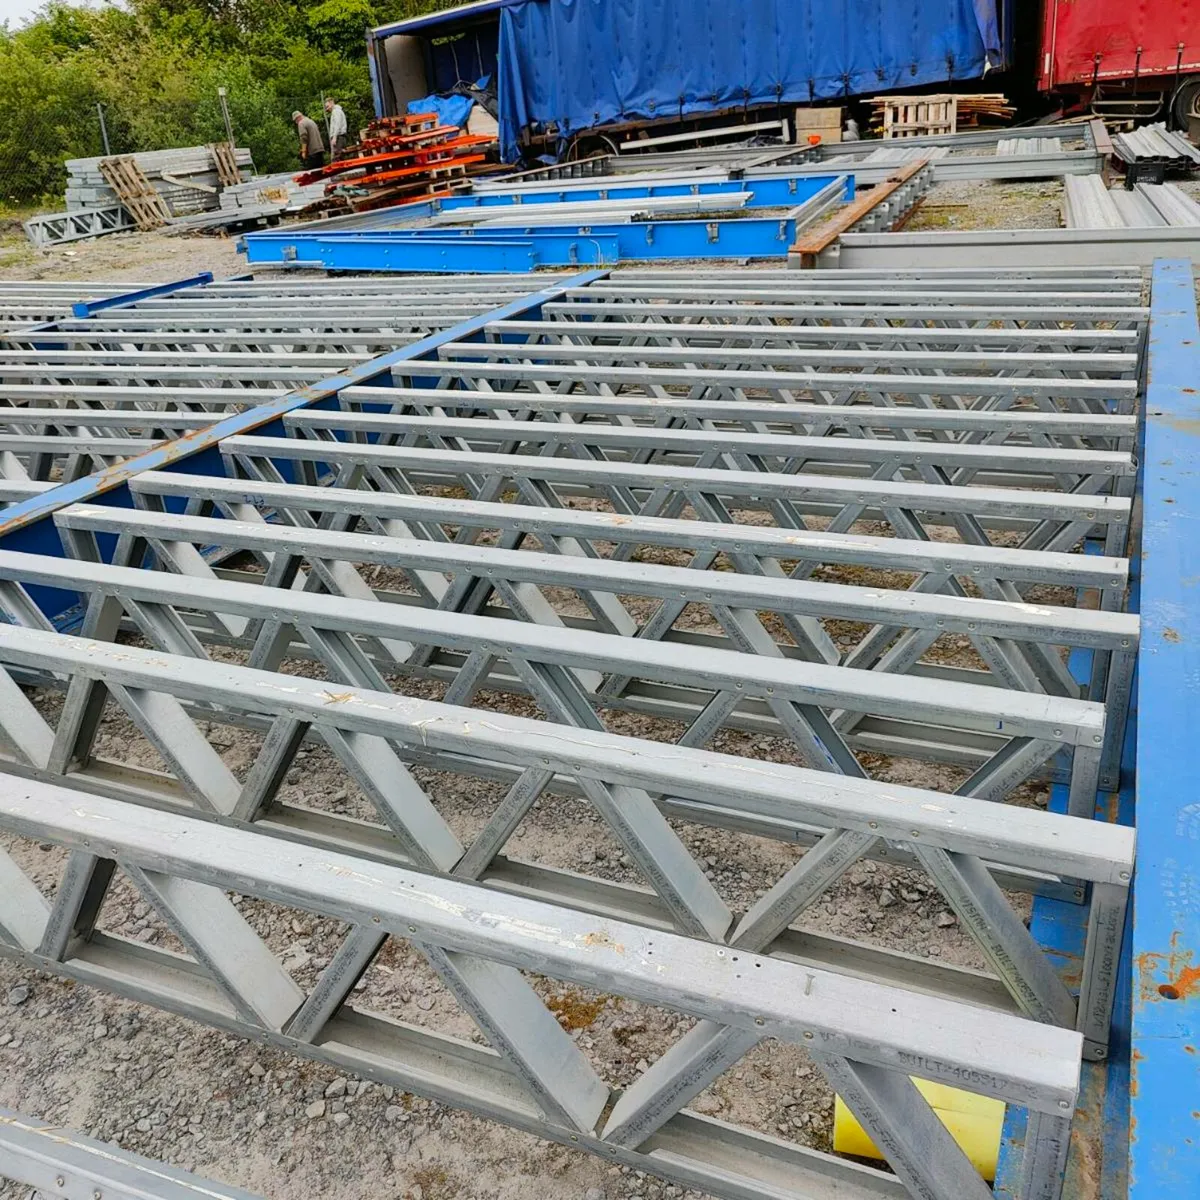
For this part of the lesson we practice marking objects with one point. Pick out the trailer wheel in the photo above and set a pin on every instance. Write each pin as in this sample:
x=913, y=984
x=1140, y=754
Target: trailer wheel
x=588, y=144
x=1185, y=102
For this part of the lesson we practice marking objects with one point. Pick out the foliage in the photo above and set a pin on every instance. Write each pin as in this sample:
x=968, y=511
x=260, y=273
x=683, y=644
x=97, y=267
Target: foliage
x=155, y=65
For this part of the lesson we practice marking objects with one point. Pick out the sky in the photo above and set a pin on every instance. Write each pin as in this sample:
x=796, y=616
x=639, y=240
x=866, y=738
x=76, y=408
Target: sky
x=16, y=11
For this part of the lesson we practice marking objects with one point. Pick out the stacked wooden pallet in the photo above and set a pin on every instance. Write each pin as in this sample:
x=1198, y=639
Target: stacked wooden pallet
x=401, y=160
x=920, y=116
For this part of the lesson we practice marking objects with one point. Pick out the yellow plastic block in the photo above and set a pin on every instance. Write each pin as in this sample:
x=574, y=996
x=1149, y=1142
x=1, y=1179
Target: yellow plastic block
x=974, y=1123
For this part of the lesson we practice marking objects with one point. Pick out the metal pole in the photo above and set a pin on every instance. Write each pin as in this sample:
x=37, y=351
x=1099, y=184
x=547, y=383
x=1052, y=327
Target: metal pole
x=221, y=94
x=103, y=130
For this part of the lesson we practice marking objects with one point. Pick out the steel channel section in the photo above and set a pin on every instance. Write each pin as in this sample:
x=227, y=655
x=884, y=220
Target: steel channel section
x=158, y=605
x=1009, y=247
x=1164, y=1155
x=185, y=867
x=65, y=1165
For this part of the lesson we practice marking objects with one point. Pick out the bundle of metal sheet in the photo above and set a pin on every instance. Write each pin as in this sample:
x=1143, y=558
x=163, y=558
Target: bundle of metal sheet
x=280, y=190
x=898, y=155
x=1172, y=204
x=1157, y=143
x=1088, y=204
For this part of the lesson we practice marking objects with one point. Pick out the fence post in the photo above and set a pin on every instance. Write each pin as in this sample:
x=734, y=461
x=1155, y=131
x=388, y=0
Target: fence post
x=221, y=94
x=103, y=131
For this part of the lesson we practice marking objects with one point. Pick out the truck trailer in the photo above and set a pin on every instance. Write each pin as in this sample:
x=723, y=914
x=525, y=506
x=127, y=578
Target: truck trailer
x=1121, y=59
x=570, y=76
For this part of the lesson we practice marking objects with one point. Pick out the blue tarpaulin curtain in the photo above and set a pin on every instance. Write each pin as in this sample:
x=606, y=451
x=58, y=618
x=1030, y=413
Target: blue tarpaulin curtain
x=581, y=63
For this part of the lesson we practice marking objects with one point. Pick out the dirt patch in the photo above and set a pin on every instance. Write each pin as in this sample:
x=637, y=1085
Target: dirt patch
x=148, y=257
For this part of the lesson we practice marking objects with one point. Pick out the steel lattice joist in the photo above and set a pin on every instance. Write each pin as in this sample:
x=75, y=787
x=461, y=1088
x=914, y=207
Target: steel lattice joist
x=194, y=353
x=884, y=516
x=532, y=1075
x=35, y=302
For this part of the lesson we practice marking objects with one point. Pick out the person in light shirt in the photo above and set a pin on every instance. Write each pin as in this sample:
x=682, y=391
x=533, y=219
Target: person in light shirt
x=337, y=126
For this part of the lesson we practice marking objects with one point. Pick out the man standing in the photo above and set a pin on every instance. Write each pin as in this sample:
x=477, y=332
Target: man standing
x=312, y=148
x=337, y=126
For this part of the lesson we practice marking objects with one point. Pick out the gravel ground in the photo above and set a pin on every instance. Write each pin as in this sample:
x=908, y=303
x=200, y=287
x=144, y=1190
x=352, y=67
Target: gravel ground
x=984, y=204
x=218, y=1104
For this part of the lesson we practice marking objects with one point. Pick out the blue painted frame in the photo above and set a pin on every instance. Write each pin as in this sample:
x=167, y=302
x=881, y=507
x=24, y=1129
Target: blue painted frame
x=1164, y=1157
x=88, y=308
x=525, y=245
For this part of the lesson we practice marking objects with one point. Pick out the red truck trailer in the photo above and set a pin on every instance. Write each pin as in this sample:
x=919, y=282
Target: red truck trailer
x=1137, y=58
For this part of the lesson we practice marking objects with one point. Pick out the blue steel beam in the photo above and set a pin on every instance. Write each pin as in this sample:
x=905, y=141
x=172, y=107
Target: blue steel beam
x=501, y=250
x=86, y=308
x=524, y=245
x=784, y=191
x=1165, y=1057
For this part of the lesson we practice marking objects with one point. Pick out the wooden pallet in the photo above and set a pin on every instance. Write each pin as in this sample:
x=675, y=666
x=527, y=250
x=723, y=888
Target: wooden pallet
x=919, y=116
x=138, y=196
x=915, y=116
x=226, y=163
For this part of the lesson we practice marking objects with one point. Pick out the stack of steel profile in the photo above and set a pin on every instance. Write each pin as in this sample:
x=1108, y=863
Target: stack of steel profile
x=187, y=179
x=1088, y=204
x=1155, y=143
x=808, y=538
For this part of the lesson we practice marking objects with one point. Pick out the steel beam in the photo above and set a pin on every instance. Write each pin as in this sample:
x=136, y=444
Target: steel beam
x=1028, y=1064
x=65, y=1165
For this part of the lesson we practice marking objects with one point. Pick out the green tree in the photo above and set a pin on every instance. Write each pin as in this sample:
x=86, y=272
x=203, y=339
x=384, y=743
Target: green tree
x=155, y=66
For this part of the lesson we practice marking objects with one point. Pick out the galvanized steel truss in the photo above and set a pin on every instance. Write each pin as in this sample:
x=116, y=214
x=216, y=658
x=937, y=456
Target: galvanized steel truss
x=531, y=1074
x=632, y=502
x=82, y=393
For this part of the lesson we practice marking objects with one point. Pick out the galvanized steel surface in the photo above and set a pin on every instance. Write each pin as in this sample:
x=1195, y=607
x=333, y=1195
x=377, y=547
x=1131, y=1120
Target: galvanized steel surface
x=982, y=422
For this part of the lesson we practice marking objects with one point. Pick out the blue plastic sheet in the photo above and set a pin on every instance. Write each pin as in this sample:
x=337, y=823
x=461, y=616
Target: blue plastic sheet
x=451, y=110
x=581, y=63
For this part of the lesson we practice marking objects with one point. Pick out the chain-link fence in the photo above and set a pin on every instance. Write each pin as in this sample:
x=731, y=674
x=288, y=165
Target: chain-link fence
x=34, y=145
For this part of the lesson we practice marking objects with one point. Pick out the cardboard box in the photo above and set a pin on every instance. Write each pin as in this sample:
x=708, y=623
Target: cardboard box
x=825, y=123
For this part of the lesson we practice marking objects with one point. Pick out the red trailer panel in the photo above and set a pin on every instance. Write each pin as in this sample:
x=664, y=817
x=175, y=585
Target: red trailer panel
x=1086, y=41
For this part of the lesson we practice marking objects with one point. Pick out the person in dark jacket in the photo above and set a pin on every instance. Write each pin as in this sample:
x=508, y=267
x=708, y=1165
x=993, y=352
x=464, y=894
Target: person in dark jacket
x=312, y=147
